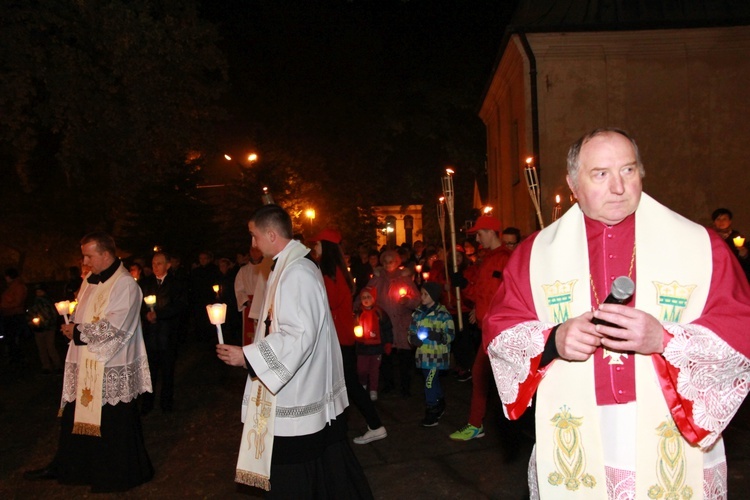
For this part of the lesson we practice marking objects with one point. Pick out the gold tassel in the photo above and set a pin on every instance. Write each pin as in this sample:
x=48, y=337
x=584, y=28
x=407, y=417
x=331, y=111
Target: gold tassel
x=87, y=429
x=252, y=479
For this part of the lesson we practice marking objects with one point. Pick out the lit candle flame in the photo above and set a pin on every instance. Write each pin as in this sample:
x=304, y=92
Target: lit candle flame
x=62, y=307
x=150, y=301
x=358, y=331
x=425, y=275
x=217, y=313
x=72, y=306
x=36, y=321
x=449, y=171
x=402, y=292
x=738, y=241
x=529, y=160
x=557, y=199
x=215, y=288
x=418, y=267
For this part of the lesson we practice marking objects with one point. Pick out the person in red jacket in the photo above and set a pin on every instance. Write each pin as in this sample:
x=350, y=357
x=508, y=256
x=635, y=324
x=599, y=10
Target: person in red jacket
x=483, y=282
x=339, y=289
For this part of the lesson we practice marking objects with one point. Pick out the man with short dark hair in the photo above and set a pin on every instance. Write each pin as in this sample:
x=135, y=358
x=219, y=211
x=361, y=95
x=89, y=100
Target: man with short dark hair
x=632, y=394
x=106, y=369
x=294, y=442
x=162, y=329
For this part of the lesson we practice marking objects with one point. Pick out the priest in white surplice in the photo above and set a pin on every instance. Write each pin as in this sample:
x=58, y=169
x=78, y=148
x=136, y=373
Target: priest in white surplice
x=294, y=440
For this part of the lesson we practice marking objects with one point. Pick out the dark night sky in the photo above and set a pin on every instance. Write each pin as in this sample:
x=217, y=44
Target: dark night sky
x=320, y=75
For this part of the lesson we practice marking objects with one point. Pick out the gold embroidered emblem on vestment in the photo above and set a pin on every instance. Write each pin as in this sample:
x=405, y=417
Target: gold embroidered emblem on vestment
x=568, y=453
x=257, y=435
x=559, y=298
x=673, y=299
x=671, y=466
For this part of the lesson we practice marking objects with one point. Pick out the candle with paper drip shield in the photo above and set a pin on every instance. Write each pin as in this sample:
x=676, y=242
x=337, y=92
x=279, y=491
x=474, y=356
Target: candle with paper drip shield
x=217, y=313
x=358, y=331
x=150, y=301
x=63, y=309
x=739, y=241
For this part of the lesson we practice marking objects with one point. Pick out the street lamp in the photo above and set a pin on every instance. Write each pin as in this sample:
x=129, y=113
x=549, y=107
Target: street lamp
x=251, y=158
x=310, y=214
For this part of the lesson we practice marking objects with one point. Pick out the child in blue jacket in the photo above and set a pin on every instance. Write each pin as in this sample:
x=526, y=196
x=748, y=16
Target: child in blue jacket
x=431, y=332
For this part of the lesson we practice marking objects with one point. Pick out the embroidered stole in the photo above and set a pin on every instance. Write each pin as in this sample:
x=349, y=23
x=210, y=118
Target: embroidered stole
x=258, y=403
x=673, y=263
x=90, y=379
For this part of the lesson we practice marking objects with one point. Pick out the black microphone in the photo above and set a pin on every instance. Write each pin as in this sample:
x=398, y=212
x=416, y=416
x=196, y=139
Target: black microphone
x=622, y=289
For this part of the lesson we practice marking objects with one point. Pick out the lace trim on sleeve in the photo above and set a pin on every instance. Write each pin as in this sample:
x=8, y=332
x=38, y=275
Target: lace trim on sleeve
x=103, y=339
x=121, y=383
x=713, y=376
x=273, y=362
x=511, y=353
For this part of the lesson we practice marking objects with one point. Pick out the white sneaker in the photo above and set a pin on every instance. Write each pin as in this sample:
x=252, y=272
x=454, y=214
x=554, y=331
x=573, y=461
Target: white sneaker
x=371, y=435
x=373, y=395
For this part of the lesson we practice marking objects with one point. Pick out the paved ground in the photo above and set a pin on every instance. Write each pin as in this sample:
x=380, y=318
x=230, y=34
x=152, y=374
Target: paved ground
x=194, y=449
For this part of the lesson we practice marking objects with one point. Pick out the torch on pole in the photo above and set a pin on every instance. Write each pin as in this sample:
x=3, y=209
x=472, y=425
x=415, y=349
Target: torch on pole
x=441, y=223
x=448, y=193
x=532, y=181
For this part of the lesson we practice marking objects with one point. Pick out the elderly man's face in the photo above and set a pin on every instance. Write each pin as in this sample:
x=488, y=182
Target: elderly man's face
x=609, y=185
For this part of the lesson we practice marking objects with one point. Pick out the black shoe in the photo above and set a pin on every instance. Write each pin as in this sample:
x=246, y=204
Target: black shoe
x=433, y=414
x=40, y=474
x=430, y=420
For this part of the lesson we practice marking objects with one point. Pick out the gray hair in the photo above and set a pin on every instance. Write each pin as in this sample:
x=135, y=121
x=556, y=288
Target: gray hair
x=574, y=153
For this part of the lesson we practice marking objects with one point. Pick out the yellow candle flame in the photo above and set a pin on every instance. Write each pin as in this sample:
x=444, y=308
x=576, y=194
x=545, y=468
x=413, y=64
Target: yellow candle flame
x=738, y=241
x=62, y=307
x=36, y=321
x=216, y=288
x=425, y=275
x=418, y=267
x=402, y=292
x=72, y=306
x=557, y=199
x=150, y=300
x=358, y=332
x=216, y=313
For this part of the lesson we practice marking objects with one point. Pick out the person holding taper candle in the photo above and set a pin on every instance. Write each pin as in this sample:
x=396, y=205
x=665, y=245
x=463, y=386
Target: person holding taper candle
x=634, y=408
x=398, y=296
x=162, y=329
x=106, y=370
x=722, y=224
x=294, y=436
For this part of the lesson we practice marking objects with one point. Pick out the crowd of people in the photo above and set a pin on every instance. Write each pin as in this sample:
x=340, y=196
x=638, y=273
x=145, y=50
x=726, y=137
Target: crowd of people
x=317, y=328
